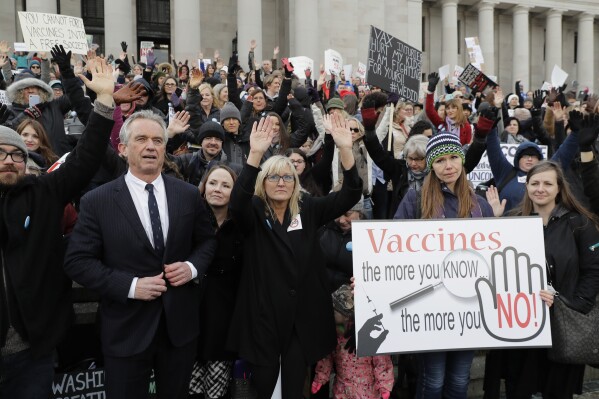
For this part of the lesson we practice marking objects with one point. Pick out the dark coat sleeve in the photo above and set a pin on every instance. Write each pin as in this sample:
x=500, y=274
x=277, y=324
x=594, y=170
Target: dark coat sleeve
x=590, y=179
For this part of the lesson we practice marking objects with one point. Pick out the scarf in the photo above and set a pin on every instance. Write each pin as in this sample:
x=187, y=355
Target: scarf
x=415, y=179
x=452, y=127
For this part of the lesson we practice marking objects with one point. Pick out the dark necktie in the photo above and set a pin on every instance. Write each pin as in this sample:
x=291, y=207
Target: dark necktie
x=155, y=221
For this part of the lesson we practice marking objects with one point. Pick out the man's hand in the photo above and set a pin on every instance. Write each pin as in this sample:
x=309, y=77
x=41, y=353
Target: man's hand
x=132, y=91
x=197, y=77
x=4, y=48
x=340, y=132
x=124, y=46
x=150, y=288
x=61, y=57
x=177, y=273
x=102, y=82
x=275, y=52
x=178, y=124
x=253, y=44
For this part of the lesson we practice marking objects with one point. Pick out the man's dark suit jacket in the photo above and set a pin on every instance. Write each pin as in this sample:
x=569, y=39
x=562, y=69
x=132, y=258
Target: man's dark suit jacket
x=109, y=247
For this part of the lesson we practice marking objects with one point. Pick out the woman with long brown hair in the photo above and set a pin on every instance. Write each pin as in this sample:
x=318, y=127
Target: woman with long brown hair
x=36, y=139
x=445, y=193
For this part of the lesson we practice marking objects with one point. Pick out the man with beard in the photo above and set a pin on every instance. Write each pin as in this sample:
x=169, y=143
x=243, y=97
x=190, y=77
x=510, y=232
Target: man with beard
x=35, y=305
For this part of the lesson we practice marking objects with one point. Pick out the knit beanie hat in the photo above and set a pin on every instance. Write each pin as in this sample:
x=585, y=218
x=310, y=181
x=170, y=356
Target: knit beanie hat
x=10, y=137
x=211, y=129
x=335, y=103
x=229, y=111
x=443, y=144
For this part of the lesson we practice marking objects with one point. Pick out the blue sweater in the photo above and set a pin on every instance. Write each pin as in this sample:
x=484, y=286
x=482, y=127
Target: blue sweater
x=502, y=169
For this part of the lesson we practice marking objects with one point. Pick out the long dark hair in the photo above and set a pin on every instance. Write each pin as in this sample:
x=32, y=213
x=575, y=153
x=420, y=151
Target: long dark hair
x=306, y=179
x=564, y=197
x=284, y=140
x=45, y=149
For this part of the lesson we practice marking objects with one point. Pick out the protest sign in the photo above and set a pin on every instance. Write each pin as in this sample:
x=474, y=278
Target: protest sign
x=475, y=79
x=42, y=31
x=449, y=284
x=20, y=46
x=558, y=76
x=4, y=97
x=475, y=52
x=483, y=173
x=144, y=47
x=347, y=72
x=361, y=72
x=300, y=64
x=443, y=72
x=393, y=65
x=457, y=71
x=86, y=384
x=333, y=61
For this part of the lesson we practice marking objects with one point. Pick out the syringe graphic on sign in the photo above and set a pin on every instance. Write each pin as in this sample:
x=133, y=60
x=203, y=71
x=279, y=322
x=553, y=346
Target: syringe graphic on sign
x=458, y=274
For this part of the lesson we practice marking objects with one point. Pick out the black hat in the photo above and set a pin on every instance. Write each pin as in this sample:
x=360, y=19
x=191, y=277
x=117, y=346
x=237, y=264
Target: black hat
x=211, y=129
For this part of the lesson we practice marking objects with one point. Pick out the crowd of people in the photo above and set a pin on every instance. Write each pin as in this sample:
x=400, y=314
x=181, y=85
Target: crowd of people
x=210, y=207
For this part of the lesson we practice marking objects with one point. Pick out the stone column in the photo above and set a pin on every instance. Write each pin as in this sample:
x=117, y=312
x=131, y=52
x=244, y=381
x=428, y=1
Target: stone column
x=249, y=26
x=415, y=24
x=486, y=34
x=42, y=6
x=8, y=23
x=185, y=31
x=586, y=51
x=553, y=42
x=521, y=47
x=306, y=34
x=449, y=30
x=119, y=25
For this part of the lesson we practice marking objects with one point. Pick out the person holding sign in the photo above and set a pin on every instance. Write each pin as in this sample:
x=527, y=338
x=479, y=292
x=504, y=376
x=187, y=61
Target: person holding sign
x=455, y=121
x=284, y=314
x=571, y=235
x=445, y=193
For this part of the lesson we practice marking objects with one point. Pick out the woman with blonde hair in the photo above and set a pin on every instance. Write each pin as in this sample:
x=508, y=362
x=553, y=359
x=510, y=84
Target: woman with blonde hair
x=283, y=318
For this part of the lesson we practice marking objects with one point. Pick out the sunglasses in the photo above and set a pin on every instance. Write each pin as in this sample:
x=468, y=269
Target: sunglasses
x=354, y=129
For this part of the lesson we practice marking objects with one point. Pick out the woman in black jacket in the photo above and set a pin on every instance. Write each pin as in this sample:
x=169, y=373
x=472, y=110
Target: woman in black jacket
x=219, y=286
x=283, y=317
x=570, y=234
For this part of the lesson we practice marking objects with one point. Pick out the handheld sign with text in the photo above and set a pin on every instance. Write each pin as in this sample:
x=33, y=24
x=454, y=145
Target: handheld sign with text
x=393, y=65
x=42, y=31
x=449, y=284
x=475, y=79
x=333, y=62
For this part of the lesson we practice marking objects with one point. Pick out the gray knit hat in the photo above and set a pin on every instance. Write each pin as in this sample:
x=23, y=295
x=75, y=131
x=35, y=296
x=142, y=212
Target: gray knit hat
x=229, y=111
x=10, y=137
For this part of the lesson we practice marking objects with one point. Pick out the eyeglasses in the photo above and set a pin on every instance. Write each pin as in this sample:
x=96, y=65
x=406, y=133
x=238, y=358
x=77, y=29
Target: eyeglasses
x=35, y=67
x=354, y=129
x=297, y=161
x=170, y=84
x=412, y=159
x=17, y=156
x=277, y=178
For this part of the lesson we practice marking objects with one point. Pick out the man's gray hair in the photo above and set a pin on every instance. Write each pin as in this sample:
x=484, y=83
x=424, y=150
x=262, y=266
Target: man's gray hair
x=125, y=132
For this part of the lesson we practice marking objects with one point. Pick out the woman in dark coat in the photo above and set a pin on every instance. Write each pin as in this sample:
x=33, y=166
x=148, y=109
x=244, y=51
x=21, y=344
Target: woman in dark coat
x=284, y=316
x=570, y=233
x=219, y=286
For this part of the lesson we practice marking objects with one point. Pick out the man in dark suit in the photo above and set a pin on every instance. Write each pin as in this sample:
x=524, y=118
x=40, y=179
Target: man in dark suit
x=139, y=242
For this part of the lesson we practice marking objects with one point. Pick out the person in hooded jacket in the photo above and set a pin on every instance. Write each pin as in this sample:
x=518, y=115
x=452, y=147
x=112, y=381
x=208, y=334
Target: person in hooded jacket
x=237, y=141
x=49, y=112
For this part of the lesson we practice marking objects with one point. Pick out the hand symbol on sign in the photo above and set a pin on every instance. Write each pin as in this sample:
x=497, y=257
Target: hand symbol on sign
x=510, y=305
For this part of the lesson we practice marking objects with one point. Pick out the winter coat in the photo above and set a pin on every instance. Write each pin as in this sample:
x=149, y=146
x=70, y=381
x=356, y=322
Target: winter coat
x=283, y=287
x=338, y=258
x=355, y=377
x=407, y=207
x=465, y=130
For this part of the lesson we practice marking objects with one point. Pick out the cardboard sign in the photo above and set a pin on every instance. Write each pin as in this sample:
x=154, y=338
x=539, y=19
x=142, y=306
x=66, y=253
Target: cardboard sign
x=483, y=173
x=443, y=72
x=475, y=79
x=20, y=46
x=144, y=47
x=449, y=284
x=300, y=64
x=86, y=384
x=333, y=62
x=4, y=97
x=475, y=52
x=361, y=72
x=42, y=31
x=393, y=65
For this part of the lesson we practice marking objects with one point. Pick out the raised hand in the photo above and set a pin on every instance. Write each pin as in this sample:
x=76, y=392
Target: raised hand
x=275, y=52
x=216, y=55
x=327, y=123
x=178, y=124
x=537, y=99
x=261, y=136
x=493, y=200
x=61, y=57
x=4, y=47
x=102, y=82
x=499, y=96
x=3, y=60
x=196, y=79
x=588, y=133
x=575, y=120
x=340, y=131
x=151, y=58
x=253, y=44
x=128, y=93
x=433, y=80
x=288, y=67
x=558, y=111
x=124, y=46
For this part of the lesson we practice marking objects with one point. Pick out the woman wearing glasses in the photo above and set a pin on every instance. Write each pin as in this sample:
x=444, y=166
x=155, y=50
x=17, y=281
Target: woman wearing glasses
x=165, y=96
x=283, y=316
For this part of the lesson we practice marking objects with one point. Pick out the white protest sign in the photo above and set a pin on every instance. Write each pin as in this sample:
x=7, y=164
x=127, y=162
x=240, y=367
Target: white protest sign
x=449, y=284
x=457, y=71
x=4, y=98
x=361, y=72
x=558, y=76
x=444, y=72
x=348, y=71
x=300, y=64
x=144, y=47
x=42, y=31
x=333, y=61
x=483, y=173
x=207, y=61
x=546, y=86
x=19, y=46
